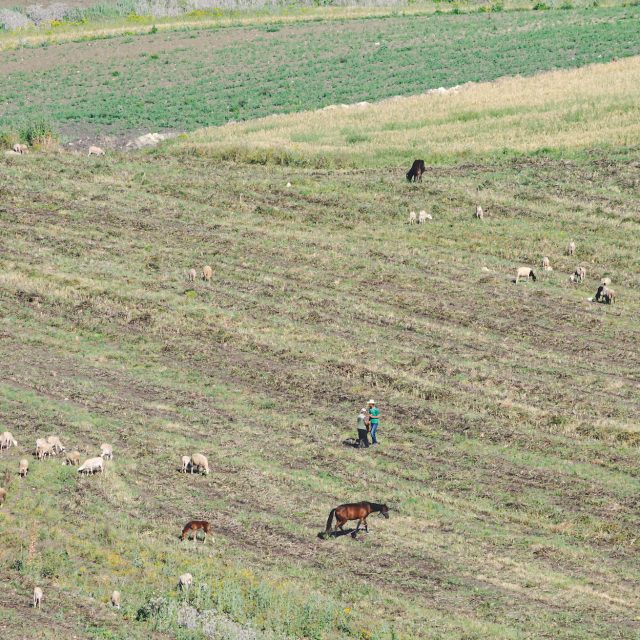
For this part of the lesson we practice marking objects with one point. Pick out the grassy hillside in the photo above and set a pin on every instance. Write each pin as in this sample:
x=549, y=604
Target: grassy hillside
x=186, y=80
x=561, y=112
x=509, y=450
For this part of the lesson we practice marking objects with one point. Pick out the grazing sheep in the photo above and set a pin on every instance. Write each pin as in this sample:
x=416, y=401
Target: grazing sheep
x=199, y=463
x=546, y=265
x=571, y=248
x=7, y=440
x=106, y=451
x=186, y=463
x=3, y=496
x=20, y=148
x=207, y=272
x=44, y=450
x=608, y=296
x=412, y=217
x=72, y=459
x=525, y=272
x=185, y=581
x=192, y=275
x=23, y=469
x=423, y=216
x=37, y=598
x=115, y=599
x=479, y=213
x=92, y=465
x=580, y=273
x=95, y=151
x=54, y=441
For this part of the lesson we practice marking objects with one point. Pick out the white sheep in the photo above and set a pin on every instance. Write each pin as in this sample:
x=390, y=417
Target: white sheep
x=199, y=463
x=95, y=151
x=186, y=463
x=192, y=275
x=44, y=450
x=72, y=459
x=23, y=468
x=546, y=265
x=92, y=465
x=20, y=148
x=571, y=248
x=37, y=598
x=115, y=599
x=412, y=217
x=423, y=216
x=525, y=272
x=7, y=441
x=479, y=213
x=106, y=451
x=54, y=441
x=185, y=581
x=207, y=272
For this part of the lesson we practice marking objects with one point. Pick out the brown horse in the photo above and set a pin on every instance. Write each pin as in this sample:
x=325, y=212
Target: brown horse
x=415, y=173
x=192, y=527
x=359, y=511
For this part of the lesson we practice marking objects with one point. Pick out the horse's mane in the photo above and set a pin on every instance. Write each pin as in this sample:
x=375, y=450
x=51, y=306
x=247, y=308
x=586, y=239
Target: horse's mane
x=375, y=506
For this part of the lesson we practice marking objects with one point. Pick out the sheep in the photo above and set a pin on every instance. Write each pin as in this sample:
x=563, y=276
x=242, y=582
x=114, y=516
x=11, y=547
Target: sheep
x=207, y=272
x=20, y=148
x=423, y=216
x=412, y=217
x=7, y=440
x=546, y=265
x=37, y=598
x=192, y=275
x=72, y=459
x=95, y=151
x=54, y=441
x=115, y=599
x=44, y=450
x=92, y=465
x=106, y=451
x=571, y=248
x=186, y=463
x=199, y=462
x=23, y=468
x=3, y=496
x=185, y=581
x=479, y=213
x=525, y=272
x=608, y=296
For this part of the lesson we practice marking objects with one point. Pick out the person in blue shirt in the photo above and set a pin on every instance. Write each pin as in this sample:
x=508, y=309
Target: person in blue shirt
x=374, y=418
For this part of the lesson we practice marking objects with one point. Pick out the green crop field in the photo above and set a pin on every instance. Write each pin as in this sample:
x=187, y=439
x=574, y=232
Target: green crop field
x=186, y=80
x=509, y=440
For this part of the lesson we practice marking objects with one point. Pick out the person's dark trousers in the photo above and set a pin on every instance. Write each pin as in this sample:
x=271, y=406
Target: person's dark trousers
x=363, y=441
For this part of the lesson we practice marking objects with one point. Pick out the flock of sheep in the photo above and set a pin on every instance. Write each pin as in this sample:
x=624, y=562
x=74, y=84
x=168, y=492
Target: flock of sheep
x=52, y=446
x=604, y=293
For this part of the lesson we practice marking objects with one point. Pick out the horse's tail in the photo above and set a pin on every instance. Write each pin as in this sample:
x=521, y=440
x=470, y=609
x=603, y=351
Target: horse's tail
x=330, y=520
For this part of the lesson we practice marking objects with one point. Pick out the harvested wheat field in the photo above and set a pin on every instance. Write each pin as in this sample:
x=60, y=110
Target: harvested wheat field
x=509, y=435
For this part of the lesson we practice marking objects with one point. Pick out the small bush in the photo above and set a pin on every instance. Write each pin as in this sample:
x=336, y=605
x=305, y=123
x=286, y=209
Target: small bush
x=8, y=138
x=39, y=133
x=12, y=20
x=541, y=6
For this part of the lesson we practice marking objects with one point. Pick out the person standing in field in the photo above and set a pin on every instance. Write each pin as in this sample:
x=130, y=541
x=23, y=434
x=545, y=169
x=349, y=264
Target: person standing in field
x=374, y=418
x=363, y=440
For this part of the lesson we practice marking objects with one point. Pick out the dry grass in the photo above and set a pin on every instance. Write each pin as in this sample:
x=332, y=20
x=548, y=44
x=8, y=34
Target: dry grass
x=570, y=110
